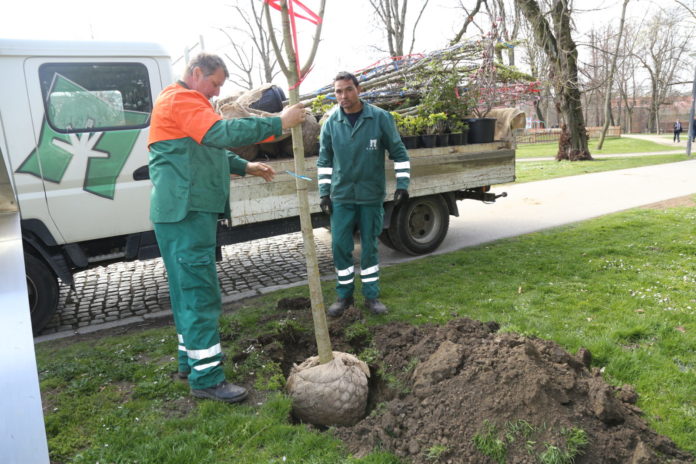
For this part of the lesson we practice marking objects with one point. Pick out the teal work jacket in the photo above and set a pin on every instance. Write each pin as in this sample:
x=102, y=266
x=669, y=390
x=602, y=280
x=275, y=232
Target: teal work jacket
x=351, y=165
x=191, y=176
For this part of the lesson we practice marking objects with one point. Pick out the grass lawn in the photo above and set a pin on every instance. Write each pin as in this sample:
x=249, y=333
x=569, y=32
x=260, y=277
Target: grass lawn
x=623, y=286
x=529, y=171
x=613, y=145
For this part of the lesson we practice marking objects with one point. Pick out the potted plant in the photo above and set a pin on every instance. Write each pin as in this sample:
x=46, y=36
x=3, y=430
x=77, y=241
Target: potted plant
x=437, y=127
x=459, y=130
x=410, y=128
x=481, y=92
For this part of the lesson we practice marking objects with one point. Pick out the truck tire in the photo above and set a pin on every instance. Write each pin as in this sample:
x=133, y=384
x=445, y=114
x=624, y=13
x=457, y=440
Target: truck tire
x=419, y=226
x=42, y=287
x=386, y=240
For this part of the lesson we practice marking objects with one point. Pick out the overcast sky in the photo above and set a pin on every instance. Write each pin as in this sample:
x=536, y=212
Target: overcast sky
x=349, y=34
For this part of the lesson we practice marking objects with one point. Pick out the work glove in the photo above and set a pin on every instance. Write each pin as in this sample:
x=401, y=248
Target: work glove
x=400, y=197
x=326, y=205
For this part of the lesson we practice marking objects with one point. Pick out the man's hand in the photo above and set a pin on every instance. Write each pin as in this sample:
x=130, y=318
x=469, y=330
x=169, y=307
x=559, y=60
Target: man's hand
x=400, y=197
x=260, y=170
x=326, y=205
x=293, y=115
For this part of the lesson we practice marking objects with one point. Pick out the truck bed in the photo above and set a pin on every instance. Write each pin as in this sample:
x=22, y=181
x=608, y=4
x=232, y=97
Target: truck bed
x=433, y=170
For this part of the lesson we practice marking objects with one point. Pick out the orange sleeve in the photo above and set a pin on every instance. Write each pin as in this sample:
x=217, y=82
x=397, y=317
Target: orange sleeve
x=180, y=113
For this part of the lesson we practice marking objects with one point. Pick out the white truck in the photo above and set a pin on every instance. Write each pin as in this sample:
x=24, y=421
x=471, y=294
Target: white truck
x=74, y=119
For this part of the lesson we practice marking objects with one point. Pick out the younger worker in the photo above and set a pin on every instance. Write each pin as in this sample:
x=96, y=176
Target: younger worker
x=190, y=171
x=352, y=187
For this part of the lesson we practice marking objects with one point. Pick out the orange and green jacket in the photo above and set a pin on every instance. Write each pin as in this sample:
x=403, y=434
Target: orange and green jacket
x=189, y=165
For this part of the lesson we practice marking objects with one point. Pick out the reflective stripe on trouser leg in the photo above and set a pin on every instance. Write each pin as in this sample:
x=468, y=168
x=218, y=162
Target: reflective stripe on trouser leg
x=371, y=220
x=190, y=248
x=342, y=225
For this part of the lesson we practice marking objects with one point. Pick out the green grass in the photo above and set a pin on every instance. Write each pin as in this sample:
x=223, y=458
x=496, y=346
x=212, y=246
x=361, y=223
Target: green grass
x=530, y=171
x=623, y=286
x=613, y=145
x=494, y=442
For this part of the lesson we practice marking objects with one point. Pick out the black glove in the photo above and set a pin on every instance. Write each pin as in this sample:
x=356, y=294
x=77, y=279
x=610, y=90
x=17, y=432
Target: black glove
x=326, y=205
x=400, y=196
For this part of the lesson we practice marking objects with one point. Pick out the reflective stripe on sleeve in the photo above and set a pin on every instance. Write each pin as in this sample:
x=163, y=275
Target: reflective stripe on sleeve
x=403, y=174
x=324, y=181
x=324, y=171
x=402, y=165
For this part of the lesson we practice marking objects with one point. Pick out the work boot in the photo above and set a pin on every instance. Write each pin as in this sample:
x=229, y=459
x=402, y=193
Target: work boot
x=375, y=306
x=224, y=391
x=340, y=306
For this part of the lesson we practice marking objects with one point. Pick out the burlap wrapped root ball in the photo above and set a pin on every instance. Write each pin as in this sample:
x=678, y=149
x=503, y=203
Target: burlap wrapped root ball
x=238, y=106
x=328, y=394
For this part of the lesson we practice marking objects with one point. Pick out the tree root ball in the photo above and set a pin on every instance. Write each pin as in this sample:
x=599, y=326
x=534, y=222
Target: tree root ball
x=328, y=394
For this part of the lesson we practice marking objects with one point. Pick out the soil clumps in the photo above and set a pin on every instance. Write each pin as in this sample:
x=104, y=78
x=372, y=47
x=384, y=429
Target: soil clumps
x=463, y=393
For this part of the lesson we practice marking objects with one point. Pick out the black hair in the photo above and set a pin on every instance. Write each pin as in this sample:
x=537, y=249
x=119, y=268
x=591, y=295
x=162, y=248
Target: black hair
x=344, y=76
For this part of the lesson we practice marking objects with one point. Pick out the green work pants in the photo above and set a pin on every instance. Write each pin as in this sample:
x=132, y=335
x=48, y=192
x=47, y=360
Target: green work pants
x=188, y=251
x=369, y=220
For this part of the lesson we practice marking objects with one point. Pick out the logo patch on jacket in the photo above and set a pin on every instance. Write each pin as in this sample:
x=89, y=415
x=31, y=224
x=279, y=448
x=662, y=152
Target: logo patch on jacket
x=373, y=144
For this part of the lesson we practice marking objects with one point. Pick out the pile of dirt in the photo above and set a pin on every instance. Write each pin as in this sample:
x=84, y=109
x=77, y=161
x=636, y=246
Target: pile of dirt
x=463, y=393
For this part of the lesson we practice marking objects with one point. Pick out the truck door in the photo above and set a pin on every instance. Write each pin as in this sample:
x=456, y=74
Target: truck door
x=91, y=116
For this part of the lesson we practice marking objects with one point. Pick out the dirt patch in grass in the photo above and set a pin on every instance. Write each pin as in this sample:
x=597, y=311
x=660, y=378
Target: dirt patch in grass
x=687, y=200
x=465, y=393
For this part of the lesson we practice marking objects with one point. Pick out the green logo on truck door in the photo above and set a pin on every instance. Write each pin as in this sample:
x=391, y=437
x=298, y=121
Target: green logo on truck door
x=104, y=152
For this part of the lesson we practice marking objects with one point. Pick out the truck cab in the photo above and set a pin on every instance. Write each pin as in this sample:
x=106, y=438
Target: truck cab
x=74, y=118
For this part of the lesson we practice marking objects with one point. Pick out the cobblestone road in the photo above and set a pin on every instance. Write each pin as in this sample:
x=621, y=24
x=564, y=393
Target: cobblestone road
x=128, y=292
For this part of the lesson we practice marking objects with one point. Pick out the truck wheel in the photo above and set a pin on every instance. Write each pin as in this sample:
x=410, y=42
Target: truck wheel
x=42, y=288
x=419, y=226
x=386, y=240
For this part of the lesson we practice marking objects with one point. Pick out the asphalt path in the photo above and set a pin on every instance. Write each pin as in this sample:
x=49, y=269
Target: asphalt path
x=535, y=206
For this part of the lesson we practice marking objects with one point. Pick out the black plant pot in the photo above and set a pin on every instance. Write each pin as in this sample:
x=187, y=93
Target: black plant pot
x=455, y=138
x=428, y=141
x=442, y=140
x=481, y=130
x=410, y=141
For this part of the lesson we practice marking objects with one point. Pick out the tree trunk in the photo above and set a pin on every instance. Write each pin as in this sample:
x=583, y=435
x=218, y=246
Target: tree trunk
x=321, y=330
x=610, y=79
x=562, y=54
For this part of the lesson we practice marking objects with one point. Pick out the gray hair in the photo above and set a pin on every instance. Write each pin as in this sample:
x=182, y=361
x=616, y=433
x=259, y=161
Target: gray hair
x=208, y=63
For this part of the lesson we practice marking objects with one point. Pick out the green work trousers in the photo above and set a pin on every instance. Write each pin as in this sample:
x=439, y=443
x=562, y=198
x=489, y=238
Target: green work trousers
x=369, y=220
x=188, y=252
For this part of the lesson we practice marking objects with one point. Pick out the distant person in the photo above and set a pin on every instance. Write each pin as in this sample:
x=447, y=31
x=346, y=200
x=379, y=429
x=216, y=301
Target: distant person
x=352, y=187
x=677, y=131
x=693, y=130
x=190, y=171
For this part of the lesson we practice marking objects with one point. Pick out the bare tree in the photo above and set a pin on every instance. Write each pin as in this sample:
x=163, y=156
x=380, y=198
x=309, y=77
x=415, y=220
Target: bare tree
x=540, y=68
x=470, y=15
x=509, y=20
x=253, y=63
x=661, y=55
x=627, y=79
x=610, y=80
x=392, y=15
x=294, y=77
x=559, y=47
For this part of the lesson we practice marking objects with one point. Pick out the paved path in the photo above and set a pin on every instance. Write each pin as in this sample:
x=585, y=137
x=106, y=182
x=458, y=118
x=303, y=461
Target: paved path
x=659, y=139
x=125, y=293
